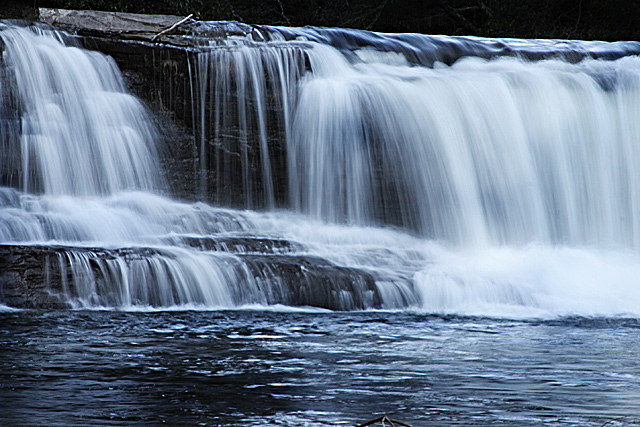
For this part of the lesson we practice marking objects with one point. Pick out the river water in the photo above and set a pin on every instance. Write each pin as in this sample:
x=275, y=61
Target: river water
x=315, y=368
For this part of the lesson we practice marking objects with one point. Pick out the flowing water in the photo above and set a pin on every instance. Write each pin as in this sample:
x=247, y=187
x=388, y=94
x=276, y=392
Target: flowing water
x=287, y=368
x=460, y=236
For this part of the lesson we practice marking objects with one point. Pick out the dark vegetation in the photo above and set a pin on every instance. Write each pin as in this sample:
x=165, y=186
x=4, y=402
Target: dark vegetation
x=568, y=19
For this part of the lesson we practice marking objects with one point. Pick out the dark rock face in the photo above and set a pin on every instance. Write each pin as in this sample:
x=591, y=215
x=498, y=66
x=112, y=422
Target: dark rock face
x=10, y=158
x=244, y=245
x=29, y=277
x=41, y=277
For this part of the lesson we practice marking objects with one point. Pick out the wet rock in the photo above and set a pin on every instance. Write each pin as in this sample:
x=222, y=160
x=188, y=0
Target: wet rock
x=311, y=281
x=57, y=277
x=40, y=277
x=26, y=280
x=243, y=244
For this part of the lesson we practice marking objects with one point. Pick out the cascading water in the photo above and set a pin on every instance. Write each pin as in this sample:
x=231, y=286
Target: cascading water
x=498, y=152
x=85, y=203
x=515, y=178
x=80, y=132
x=248, y=92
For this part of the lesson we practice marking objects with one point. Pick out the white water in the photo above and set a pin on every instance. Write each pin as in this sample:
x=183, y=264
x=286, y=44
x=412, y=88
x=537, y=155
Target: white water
x=82, y=133
x=517, y=180
x=481, y=153
x=531, y=281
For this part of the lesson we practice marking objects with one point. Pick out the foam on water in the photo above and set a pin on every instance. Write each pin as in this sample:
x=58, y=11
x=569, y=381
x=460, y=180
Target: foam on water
x=127, y=218
x=531, y=281
x=6, y=309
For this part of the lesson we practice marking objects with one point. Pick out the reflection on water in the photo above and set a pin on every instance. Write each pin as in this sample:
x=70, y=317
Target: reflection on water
x=313, y=369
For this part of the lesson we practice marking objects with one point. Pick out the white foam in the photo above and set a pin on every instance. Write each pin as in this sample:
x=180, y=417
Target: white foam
x=532, y=281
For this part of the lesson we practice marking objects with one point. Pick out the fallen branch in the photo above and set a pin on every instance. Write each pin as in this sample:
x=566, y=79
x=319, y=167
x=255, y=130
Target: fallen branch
x=173, y=27
x=382, y=419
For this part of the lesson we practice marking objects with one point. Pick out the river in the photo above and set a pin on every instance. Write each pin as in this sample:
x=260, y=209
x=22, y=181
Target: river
x=266, y=366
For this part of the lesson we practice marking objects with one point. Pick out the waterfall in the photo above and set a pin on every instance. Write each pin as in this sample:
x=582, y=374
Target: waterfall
x=464, y=140
x=80, y=132
x=245, y=93
x=488, y=152
x=443, y=174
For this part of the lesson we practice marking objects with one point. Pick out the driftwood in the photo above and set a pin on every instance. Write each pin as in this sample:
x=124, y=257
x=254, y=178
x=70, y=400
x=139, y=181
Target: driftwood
x=171, y=28
x=382, y=420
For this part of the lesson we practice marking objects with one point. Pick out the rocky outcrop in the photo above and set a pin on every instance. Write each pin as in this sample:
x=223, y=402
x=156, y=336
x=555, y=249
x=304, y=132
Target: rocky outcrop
x=40, y=276
x=26, y=280
x=313, y=281
x=172, y=30
x=123, y=26
x=251, y=245
x=55, y=277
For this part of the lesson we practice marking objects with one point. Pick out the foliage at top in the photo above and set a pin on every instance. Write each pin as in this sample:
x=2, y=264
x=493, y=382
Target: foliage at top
x=567, y=19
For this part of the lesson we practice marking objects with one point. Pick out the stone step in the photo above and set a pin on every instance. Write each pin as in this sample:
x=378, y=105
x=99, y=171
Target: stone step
x=56, y=277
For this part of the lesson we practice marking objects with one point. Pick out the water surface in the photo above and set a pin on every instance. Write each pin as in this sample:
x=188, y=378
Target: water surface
x=291, y=368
